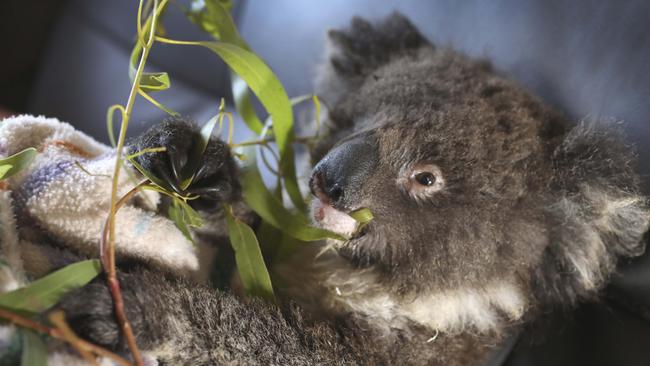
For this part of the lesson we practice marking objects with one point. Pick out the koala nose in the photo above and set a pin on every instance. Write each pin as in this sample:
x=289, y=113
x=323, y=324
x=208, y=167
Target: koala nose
x=337, y=179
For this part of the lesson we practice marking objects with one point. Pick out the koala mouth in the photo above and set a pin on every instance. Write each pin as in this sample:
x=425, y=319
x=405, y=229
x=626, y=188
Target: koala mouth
x=334, y=220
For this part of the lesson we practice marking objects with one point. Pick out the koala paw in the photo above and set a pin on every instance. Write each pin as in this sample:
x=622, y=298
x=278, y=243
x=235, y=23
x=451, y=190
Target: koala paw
x=89, y=312
x=215, y=179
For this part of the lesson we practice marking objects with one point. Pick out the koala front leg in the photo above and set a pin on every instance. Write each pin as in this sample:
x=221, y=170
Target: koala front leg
x=183, y=323
x=216, y=177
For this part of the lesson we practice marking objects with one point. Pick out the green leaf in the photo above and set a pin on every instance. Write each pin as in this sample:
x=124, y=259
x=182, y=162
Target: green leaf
x=213, y=18
x=149, y=175
x=362, y=215
x=192, y=217
x=150, y=81
x=271, y=93
x=261, y=80
x=248, y=256
x=243, y=104
x=184, y=216
x=4, y=169
x=16, y=162
x=156, y=81
x=46, y=292
x=177, y=215
x=34, y=350
x=258, y=198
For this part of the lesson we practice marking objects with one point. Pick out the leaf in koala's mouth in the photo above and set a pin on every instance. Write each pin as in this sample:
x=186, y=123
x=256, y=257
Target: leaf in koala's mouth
x=362, y=216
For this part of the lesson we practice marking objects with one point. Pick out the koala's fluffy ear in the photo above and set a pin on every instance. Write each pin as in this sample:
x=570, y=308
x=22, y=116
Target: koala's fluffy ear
x=599, y=217
x=353, y=53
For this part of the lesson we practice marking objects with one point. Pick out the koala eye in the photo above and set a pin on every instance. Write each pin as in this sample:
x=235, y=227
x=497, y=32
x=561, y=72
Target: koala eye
x=421, y=181
x=425, y=178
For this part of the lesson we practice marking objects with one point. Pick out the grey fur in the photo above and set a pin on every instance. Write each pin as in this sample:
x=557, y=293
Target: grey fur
x=528, y=202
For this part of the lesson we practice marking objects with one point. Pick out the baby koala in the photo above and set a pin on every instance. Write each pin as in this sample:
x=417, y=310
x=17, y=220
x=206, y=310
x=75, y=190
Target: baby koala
x=489, y=209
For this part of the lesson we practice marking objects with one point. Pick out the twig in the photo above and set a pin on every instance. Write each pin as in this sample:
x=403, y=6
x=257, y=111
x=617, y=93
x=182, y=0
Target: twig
x=103, y=243
x=108, y=251
x=58, y=319
x=108, y=261
x=55, y=333
x=297, y=139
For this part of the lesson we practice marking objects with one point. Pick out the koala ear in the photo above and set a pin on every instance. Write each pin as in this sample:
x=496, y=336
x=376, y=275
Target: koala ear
x=365, y=46
x=355, y=52
x=599, y=217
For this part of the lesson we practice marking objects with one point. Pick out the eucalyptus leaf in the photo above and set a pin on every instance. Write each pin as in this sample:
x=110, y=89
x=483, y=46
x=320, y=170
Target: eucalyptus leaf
x=243, y=104
x=271, y=93
x=177, y=215
x=4, y=169
x=362, y=215
x=16, y=162
x=261, y=80
x=47, y=291
x=248, y=256
x=34, y=350
x=191, y=216
x=150, y=81
x=270, y=208
x=149, y=175
x=154, y=81
x=213, y=17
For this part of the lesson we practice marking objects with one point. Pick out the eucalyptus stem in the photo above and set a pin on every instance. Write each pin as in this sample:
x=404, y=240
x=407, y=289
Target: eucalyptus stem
x=297, y=139
x=56, y=333
x=108, y=253
x=103, y=244
x=58, y=319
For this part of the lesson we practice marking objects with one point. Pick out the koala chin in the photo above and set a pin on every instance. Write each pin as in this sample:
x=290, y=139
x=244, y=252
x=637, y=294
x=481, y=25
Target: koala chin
x=490, y=209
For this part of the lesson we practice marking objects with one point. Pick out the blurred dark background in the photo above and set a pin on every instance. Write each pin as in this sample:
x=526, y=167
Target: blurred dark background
x=591, y=59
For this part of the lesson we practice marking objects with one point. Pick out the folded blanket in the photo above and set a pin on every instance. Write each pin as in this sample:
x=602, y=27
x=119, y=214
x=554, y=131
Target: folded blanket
x=59, y=204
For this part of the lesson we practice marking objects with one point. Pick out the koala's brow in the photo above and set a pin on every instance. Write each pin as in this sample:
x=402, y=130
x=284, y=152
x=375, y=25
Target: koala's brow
x=366, y=134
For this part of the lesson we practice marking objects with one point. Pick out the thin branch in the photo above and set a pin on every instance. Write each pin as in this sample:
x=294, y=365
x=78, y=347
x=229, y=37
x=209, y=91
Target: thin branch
x=55, y=333
x=103, y=243
x=298, y=139
x=108, y=250
x=58, y=319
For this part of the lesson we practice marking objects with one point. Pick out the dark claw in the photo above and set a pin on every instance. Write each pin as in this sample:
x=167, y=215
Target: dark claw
x=205, y=170
x=163, y=174
x=177, y=160
x=207, y=192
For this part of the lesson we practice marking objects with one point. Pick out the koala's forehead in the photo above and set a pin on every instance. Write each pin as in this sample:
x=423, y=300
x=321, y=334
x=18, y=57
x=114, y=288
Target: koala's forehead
x=442, y=105
x=434, y=79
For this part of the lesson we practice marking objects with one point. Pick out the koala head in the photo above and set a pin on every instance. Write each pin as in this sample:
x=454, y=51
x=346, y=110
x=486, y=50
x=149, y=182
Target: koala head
x=472, y=181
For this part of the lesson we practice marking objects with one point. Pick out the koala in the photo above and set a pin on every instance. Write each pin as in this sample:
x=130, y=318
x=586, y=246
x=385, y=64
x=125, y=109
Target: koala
x=490, y=208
